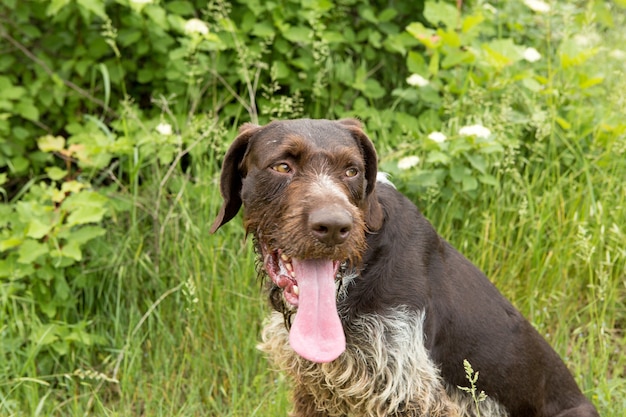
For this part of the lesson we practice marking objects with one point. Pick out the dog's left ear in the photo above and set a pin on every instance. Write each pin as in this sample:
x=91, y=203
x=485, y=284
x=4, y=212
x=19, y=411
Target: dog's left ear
x=373, y=211
x=231, y=178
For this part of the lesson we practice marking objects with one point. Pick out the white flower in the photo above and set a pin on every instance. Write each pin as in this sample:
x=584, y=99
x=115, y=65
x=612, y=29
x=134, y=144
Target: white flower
x=437, y=137
x=475, y=130
x=617, y=54
x=538, y=6
x=164, y=128
x=587, y=40
x=417, y=80
x=531, y=55
x=196, y=26
x=408, y=162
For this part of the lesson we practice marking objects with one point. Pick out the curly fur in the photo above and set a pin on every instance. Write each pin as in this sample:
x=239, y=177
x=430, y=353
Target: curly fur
x=385, y=371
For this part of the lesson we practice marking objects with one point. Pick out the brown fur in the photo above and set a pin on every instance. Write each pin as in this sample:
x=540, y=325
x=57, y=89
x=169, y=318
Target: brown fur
x=412, y=307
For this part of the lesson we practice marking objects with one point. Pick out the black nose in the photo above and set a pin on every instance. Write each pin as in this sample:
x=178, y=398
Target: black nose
x=330, y=225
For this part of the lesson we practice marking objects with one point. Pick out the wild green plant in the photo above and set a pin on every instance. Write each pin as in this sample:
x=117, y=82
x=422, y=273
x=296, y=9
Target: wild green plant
x=125, y=135
x=476, y=395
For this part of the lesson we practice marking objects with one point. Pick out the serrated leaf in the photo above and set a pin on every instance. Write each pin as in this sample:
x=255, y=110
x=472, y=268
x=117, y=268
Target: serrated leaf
x=30, y=250
x=51, y=143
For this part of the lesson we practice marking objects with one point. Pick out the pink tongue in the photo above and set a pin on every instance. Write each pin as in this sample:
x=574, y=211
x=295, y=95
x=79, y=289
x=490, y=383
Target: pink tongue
x=316, y=332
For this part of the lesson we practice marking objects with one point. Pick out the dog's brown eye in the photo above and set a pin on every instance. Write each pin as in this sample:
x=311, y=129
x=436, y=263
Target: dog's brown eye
x=352, y=172
x=283, y=168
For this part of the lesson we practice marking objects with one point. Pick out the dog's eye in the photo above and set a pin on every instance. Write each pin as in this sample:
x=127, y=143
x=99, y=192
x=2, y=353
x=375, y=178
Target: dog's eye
x=352, y=172
x=282, y=167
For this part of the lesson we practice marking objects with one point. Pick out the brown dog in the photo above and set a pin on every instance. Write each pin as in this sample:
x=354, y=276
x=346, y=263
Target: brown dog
x=375, y=313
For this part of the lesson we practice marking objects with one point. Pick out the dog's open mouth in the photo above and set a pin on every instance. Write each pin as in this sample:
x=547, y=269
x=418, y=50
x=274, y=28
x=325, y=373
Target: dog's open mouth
x=316, y=333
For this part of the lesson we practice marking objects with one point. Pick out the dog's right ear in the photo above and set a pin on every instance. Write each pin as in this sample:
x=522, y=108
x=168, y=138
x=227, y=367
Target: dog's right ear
x=231, y=177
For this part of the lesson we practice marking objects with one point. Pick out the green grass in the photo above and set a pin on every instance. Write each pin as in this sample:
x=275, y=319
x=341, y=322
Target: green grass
x=179, y=311
x=182, y=325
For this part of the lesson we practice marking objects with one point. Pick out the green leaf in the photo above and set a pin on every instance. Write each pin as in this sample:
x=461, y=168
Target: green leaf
x=93, y=6
x=61, y=289
x=298, y=34
x=368, y=14
x=157, y=15
x=10, y=243
x=56, y=173
x=12, y=92
x=86, y=214
x=441, y=13
x=51, y=143
x=83, y=234
x=469, y=183
x=590, y=82
x=458, y=172
x=478, y=162
x=488, y=179
x=387, y=15
x=471, y=21
x=373, y=89
x=30, y=250
x=44, y=334
x=85, y=207
x=55, y=7
x=37, y=229
x=437, y=157
x=182, y=8
x=27, y=110
x=263, y=29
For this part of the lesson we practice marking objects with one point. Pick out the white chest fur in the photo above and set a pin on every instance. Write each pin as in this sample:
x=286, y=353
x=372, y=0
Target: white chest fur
x=385, y=371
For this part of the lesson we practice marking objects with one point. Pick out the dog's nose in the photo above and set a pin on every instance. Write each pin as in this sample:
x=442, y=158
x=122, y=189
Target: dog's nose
x=330, y=225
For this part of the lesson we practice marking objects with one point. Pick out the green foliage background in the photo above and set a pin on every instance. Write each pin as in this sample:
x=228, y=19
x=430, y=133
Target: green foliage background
x=503, y=121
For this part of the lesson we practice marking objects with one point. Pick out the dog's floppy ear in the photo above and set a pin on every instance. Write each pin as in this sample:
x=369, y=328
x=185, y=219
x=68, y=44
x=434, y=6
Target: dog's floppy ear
x=231, y=179
x=373, y=210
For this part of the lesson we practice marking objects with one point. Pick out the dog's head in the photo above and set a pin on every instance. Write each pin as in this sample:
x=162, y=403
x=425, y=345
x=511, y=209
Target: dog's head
x=307, y=188
x=240, y=159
